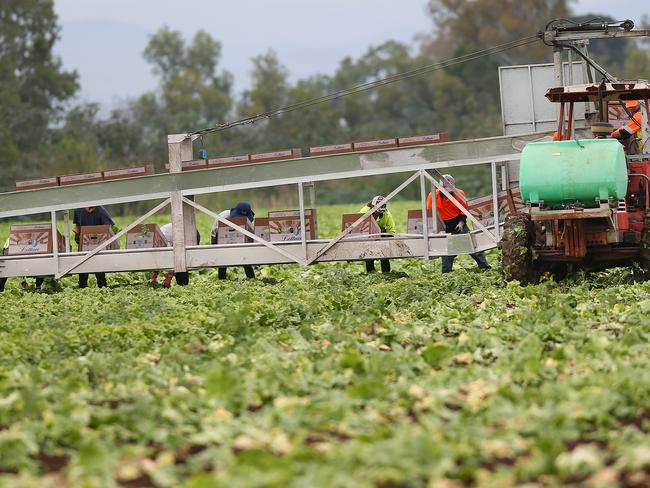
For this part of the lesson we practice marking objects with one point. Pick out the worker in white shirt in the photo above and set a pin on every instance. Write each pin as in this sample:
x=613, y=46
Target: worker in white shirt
x=182, y=278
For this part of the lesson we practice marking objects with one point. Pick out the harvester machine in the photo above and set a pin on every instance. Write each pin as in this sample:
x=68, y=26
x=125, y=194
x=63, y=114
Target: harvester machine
x=587, y=200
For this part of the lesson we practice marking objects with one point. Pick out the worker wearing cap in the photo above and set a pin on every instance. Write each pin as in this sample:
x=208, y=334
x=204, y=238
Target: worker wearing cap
x=90, y=216
x=242, y=209
x=632, y=128
x=386, y=224
x=455, y=220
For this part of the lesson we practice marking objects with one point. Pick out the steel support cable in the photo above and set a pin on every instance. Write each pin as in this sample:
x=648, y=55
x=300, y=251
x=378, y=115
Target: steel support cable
x=371, y=85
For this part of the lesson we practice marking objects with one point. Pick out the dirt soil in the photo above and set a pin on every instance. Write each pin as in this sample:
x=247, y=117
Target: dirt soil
x=516, y=248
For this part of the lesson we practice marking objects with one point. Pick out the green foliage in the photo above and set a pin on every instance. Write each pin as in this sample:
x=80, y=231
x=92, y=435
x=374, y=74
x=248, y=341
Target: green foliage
x=327, y=376
x=33, y=85
x=193, y=92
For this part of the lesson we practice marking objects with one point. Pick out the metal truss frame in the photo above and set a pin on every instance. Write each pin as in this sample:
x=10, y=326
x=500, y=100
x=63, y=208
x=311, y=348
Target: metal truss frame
x=185, y=255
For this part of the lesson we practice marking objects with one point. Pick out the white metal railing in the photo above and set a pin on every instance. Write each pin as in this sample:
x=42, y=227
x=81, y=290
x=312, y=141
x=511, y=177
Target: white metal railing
x=309, y=252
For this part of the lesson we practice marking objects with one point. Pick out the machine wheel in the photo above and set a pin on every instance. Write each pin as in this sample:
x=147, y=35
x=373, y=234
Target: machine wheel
x=558, y=271
x=517, y=249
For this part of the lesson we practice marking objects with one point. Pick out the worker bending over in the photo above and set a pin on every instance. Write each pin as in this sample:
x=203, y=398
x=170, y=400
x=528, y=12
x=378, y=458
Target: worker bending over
x=631, y=129
x=90, y=216
x=183, y=277
x=386, y=224
x=242, y=209
x=455, y=220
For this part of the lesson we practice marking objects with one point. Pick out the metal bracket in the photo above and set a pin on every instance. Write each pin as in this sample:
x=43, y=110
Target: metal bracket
x=244, y=231
x=494, y=237
x=358, y=222
x=108, y=242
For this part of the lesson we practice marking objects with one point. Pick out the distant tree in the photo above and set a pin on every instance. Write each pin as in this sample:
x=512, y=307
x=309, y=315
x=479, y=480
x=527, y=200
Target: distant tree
x=461, y=24
x=192, y=92
x=269, y=85
x=33, y=84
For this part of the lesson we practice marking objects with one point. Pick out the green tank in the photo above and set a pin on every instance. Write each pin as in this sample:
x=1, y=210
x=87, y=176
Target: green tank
x=570, y=171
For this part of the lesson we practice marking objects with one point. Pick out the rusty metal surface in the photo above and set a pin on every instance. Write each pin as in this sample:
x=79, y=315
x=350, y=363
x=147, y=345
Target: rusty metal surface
x=623, y=90
x=575, y=238
x=545, y=215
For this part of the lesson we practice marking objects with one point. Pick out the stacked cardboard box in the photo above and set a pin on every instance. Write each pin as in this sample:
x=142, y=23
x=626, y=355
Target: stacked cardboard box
x=375, y=145
x=229, y=161
x=483, y=208
x=80, y=178
x=334, y=149
x=115, y=174
x=33, y=239
x=191, y=165
x=285, y=225
x=38, y=183
x=228, y=235
x=145, y=236
x=276, y=155
x=262, y=228
x=423, y=140
x=368, y=226
x=414, y=222
x=94, y=235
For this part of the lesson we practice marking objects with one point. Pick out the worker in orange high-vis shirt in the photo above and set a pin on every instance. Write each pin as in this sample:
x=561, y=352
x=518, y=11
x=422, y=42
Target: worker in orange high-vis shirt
x=632, y=128
x=455, y=220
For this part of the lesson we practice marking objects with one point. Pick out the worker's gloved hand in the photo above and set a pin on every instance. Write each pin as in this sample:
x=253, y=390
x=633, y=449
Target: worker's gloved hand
x=167, y=282
x=460, y=226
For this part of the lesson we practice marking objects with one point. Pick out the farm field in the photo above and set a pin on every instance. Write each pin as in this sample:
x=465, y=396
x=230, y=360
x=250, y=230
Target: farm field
x=326, y=376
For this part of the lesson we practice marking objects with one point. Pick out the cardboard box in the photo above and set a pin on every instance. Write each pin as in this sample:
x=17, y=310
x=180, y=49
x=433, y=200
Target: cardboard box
x=285, y=225
x=423, y=140
x=229, y=161
x=334, y=149
x=276, y=155
x=262, y=228
x=368, y=226
x=414, y=222
x=145, y=236
x=38, y=183
x=94, y=235
x=116, y=174
x=228, y=235
x=80, y=178
x=374, y=145
x=483, y=208
x=191, y=165
x=33, y=239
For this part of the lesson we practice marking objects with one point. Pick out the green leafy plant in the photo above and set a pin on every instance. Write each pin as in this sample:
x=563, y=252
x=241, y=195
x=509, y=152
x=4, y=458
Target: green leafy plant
x=327, y=376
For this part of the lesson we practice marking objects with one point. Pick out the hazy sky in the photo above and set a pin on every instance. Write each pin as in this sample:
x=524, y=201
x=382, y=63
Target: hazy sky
x=104, y=39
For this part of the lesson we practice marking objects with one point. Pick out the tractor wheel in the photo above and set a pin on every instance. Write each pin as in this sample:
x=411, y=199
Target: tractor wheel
x=517, y=249
x=558, y=271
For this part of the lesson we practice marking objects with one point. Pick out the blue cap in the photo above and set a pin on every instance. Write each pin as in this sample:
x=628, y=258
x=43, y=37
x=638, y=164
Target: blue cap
x=243, y=209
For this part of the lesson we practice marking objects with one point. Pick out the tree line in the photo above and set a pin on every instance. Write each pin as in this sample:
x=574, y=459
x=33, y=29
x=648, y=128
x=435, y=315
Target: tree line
x=42, y=131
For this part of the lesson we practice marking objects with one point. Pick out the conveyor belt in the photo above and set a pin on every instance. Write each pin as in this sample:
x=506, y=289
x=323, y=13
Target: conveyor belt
x=338, y=166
